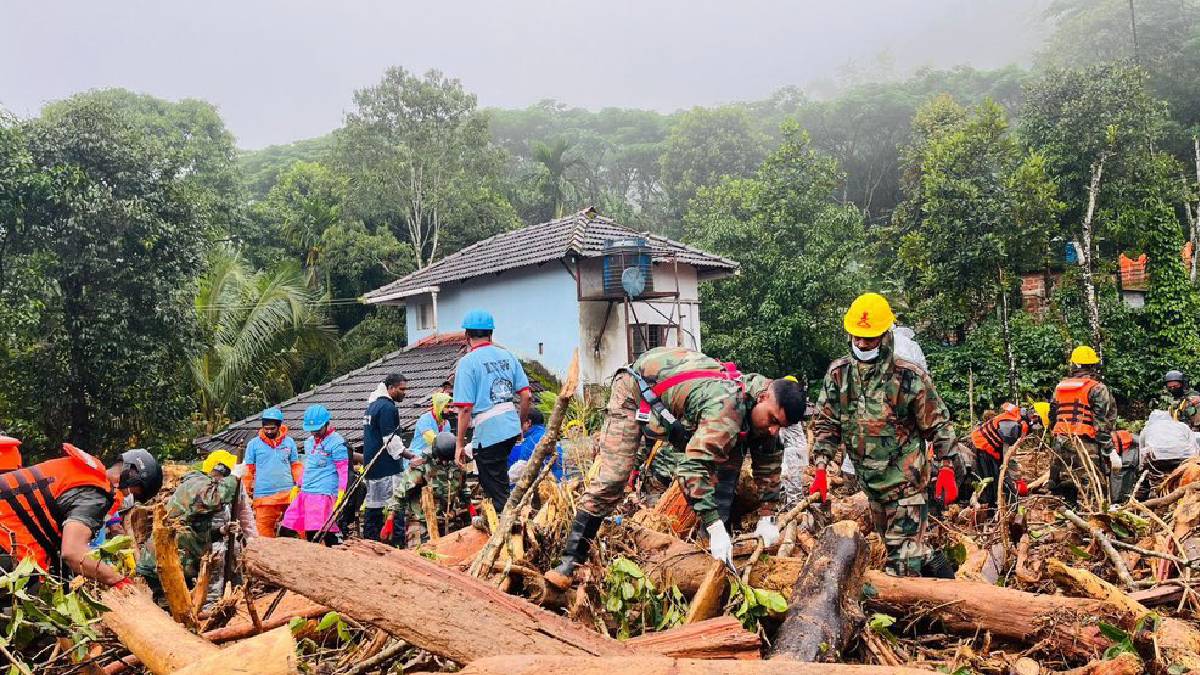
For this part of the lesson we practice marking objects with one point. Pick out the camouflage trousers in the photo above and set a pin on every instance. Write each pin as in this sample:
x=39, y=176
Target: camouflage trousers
x=193, y=546
x=1067, y=470
x=618, y=445
x=900, y=514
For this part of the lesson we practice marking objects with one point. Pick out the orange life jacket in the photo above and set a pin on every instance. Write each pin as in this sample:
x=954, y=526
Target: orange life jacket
x=30, y=521
x=1074, y=414
x=1122, y=441
x=986, y=436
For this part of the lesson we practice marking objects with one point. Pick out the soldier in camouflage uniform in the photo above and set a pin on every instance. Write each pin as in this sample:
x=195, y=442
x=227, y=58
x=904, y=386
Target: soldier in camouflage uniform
x=709, y=412
x=437, y=469
x=1185, y=401
x=883, y=410
x=199, y=497
x=1083, y=409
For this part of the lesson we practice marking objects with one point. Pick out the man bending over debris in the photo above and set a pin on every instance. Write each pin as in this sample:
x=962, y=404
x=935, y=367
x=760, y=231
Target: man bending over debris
x=883, y=410
x=705, y=408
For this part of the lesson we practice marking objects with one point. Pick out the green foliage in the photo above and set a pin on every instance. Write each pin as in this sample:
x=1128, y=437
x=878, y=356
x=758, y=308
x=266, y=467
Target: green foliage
x=256, y=327
x=631, y=599
x=42, y=609
x=799, y=253
x=750, y=605
x=260, y=169
x=705, y=146
x=107, y=240
x=416, y=152
x=978, y=207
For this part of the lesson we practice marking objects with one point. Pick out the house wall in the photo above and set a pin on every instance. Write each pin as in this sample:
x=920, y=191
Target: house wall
x=599, y=359
x=536, y=312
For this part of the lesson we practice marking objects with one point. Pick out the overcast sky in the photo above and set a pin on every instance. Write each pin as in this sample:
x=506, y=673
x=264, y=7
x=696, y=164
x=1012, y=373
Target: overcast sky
x=283, y=70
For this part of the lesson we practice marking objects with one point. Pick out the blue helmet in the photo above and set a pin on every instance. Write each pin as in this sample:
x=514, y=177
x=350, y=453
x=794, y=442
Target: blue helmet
x=478, y=319
x=315, y=417
x=272, y=414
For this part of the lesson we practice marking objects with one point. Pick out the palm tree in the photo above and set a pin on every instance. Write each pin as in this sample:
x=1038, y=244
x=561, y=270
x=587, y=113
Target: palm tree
x=553, y=157
x=257, y=327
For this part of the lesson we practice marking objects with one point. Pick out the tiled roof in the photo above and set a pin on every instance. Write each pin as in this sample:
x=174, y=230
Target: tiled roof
x=582, y=234
x=426, y=364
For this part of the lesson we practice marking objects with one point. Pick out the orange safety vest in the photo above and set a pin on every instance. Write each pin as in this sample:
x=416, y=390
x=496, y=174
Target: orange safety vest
x=986, y=436
x=30, y=521
x=1074, y=414
x=1122, y=441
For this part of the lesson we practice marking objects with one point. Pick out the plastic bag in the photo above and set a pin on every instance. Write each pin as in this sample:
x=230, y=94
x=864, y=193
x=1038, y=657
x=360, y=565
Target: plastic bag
x=907, y=347
x=1164, y=438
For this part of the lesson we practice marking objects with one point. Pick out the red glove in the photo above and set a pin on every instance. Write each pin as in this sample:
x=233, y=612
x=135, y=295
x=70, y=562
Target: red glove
x=389, y=528
x=946, y=487
x=471, y=510
x=125, y=582
x=1022, y=487
x=820, y=484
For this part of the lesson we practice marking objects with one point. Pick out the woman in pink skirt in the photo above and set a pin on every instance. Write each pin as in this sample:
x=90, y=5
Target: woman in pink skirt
x=326, y=465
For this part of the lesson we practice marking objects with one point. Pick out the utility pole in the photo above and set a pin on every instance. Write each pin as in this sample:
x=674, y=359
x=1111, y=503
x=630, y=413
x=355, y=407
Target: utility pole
x=1133, y=29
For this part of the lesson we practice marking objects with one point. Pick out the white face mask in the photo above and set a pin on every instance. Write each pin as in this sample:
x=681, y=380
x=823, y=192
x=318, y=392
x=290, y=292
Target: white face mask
x=869, y=355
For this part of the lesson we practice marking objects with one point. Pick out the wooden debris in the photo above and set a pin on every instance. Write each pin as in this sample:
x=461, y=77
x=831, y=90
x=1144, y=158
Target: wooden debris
x=1124, y=664
x=1105, y=543
x=651, y=665
x=170, y=571
x=719, y=638
x=430, y=510
x=164, y=646
x=707, y=602
x=431, y=607
x=824, y=612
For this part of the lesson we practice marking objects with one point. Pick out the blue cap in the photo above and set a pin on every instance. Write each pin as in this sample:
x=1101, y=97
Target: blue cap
x=315, y=417
x=478, y=319
x=273, y=414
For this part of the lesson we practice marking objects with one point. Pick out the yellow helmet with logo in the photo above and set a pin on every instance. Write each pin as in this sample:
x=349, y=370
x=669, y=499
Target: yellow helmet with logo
x=1042, y=408
x=218, y=457
x=1084, y=356
x=869, y=316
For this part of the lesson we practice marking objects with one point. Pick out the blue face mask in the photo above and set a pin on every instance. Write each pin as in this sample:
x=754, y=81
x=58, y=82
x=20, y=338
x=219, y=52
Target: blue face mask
x=865, y=356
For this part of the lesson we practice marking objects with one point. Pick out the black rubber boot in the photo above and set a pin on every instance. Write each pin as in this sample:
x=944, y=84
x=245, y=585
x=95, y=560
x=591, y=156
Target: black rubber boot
x=579, y=540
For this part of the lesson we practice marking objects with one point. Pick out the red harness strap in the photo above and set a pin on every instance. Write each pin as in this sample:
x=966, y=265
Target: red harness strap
x=729, y=372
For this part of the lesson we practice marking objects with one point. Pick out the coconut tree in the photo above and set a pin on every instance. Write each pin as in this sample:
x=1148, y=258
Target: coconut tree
x=258, y=326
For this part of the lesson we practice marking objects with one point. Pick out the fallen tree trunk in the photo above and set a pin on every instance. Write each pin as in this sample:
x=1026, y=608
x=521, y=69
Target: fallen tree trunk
x=240, y=631
x=661, y=665
x=1064, y=625
x=824, y=612
x=721, y=638
x=707, y=602
x=164, y=646
x=431, y=607
x=170, y=571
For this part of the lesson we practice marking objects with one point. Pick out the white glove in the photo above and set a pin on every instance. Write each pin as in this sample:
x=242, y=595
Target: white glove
x=239, y=470
x=767, y=530
x=1115, y=459
x=719, y=545
x=395, y=446
x=515, y=471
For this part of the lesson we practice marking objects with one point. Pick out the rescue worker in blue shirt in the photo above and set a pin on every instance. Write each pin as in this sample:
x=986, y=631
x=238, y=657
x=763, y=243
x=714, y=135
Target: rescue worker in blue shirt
x=534, y=428
x=491, y=392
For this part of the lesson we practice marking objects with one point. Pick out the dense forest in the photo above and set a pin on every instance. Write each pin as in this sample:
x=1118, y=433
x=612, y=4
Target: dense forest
x=156, y=282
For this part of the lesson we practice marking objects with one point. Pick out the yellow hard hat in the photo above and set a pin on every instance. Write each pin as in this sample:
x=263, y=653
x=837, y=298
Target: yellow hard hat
x=791, y=378
x=218, y=457
x=869, y=316
x=1042, y=408
x=1084, y=356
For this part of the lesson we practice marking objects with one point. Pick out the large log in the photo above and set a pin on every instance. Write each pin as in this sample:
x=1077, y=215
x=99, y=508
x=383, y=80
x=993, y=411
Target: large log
x=721, y=638
x=661, y=665
x=824, y=612
x=431, y=607
x=163, y=646
x=170, y=571
x=1067, y=625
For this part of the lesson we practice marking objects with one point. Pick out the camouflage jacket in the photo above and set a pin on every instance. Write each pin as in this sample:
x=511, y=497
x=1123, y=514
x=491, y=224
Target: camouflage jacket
x=449, y=488
x=882, y=413
x=1187, y=409
x=1104, y=409
x=194, y=504
x=717, y=413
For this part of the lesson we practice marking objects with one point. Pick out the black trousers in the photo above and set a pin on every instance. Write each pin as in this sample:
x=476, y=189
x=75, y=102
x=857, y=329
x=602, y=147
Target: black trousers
x=492, y=464
x=372, y=526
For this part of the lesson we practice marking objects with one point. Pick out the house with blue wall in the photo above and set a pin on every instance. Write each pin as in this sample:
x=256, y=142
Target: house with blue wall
x=579, y=282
